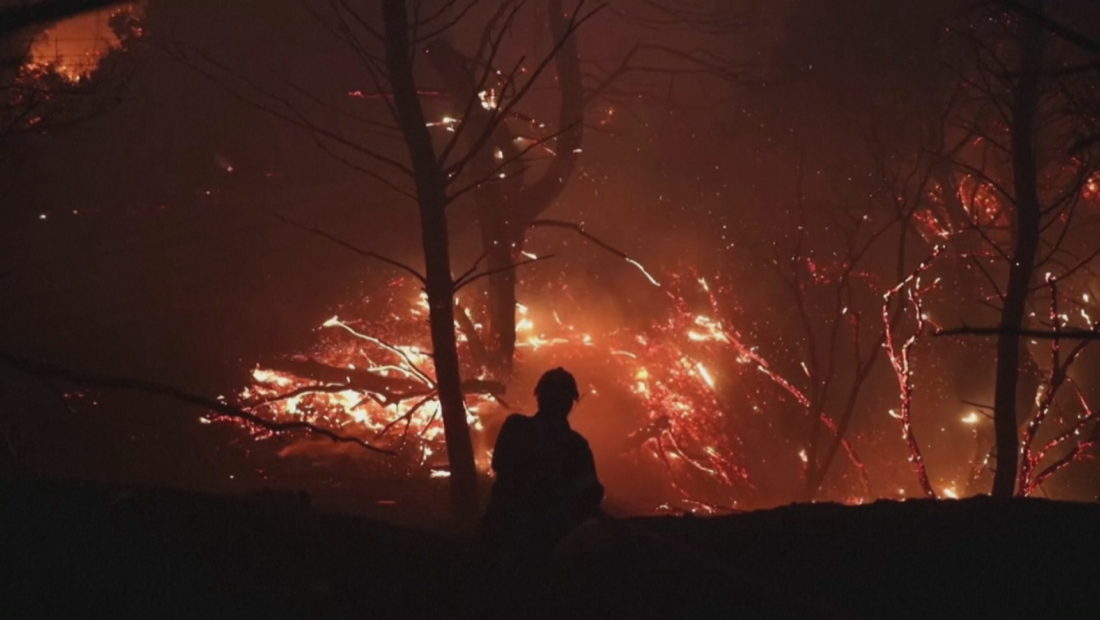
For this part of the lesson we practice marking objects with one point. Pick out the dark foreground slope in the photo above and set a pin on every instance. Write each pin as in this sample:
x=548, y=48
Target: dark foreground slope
x=974, y=558
x=77, y=550
x=70, y=550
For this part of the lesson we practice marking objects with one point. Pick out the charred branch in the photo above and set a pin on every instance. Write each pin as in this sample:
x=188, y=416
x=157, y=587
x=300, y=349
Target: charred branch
x=1038, y=334
x=350, y=246
x=1061, y=30
x=49, y=371
x=459, y=284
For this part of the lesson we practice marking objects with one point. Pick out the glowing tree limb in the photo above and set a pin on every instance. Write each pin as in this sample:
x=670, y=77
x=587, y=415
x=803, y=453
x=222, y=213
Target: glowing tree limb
x=1084, y=419
x=901, y=362
x=1030, y=474
x=1080, y=448
x=1029, y=460
x=1084, y=443
x=748, y=355
x=594, y=239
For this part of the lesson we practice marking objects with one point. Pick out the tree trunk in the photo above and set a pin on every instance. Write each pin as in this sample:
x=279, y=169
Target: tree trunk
x=538, y=196
x=498, y=246
x=519, y=209
x=1027, y=228
x=498, y=241
x=506, y=209
x=431, y=198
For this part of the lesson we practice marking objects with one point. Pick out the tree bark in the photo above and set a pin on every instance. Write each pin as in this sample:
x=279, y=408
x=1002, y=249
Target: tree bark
x=432, y=200
x=1025, y=101
x=498, y=242
x=507, y=209
x=538, y=196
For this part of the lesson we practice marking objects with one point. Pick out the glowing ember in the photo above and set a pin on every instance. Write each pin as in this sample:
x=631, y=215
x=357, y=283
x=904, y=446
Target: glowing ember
x=971, y=418
x=642, y=268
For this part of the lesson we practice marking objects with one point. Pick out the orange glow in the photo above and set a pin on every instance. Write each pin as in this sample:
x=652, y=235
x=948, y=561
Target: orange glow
x=74, y=47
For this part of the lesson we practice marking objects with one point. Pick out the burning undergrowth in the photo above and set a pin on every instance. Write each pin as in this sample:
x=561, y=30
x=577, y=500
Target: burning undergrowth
x=667, y=403
x=684, y=409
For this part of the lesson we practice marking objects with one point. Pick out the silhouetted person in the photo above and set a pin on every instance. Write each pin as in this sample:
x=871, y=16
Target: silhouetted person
x=546, y=481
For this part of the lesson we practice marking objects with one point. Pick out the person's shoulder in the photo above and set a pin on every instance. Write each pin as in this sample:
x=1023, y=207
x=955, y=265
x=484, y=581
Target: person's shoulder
x=578, y=439
x=516, y=422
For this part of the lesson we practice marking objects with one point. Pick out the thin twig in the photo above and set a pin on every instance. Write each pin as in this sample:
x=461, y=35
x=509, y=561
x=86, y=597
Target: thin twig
x=354, y=248
x=1041, y=334
x=459, y=284
x=51, y=371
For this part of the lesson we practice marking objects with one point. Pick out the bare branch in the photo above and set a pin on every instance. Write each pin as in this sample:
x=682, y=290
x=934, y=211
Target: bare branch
x=582, y=232
x=1066, y=32
x=594, y=239
x=459, y=284
x=223, y=409
x=503, y=111
x=354, y=248
x=496, y=171
x=1039, y=334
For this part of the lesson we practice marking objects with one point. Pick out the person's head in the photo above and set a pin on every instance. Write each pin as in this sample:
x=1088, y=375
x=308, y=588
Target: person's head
x=556, y=392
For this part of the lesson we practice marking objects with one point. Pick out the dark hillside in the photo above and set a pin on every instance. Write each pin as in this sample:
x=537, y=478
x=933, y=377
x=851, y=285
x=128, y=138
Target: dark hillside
x=77, y=550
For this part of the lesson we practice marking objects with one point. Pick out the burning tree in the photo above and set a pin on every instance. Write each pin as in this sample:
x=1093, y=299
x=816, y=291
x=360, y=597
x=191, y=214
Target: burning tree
x=40, y=89
x=736, y=369
x=480, y=156
x=989, y=184
x=1026, y=204
x=484, y=99
x=718, y=397
x=431, y=191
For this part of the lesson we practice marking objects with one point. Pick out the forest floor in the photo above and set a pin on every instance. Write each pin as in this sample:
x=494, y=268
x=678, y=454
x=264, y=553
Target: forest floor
x=91, y=550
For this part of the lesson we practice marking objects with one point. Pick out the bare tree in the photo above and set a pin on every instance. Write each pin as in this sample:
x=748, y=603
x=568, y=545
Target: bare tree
x=1025, y=190
x=1025, y=101
x=434, y=175
x=431, y=192
x=509, y=205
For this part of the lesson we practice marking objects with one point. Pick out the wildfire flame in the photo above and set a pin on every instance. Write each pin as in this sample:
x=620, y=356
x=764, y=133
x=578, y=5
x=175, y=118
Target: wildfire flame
x=73, y=48
x=377, y=383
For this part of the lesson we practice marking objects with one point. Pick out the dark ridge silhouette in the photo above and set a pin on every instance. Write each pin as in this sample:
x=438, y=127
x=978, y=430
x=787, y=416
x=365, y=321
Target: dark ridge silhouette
x=84, y=550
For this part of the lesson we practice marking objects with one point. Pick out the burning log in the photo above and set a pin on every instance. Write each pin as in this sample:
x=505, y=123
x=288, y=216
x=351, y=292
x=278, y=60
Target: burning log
x=391, y=389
